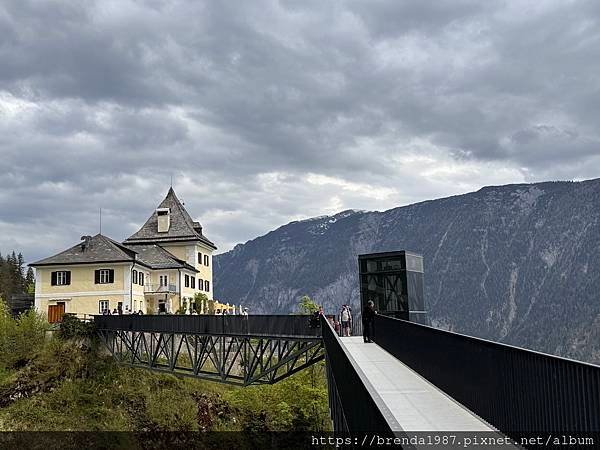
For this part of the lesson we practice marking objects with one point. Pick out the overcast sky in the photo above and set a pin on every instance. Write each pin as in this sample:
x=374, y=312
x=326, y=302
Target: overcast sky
x=265, y=112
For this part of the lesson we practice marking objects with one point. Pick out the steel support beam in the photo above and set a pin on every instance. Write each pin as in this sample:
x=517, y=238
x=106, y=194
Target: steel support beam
x=232, y=359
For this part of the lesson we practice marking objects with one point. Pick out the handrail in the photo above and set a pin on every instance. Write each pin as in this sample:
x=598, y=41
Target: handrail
x=159, y=288
x=250, y=325
x=355, y=404
x=514, y=389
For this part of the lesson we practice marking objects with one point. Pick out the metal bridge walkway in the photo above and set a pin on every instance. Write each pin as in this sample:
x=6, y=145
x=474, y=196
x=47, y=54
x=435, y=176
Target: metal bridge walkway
x=239, y=350
x=418, y=378
x=413, y=378
x=415, y=403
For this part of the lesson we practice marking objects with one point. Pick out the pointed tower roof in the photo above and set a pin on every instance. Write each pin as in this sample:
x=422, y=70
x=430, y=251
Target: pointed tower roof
x=182, y=227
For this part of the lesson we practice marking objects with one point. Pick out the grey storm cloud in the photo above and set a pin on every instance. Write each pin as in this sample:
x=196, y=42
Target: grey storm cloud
x=270, y=111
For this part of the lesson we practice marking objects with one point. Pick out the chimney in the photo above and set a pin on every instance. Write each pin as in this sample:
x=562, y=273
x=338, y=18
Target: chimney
x=164, y=219
x=86, y=242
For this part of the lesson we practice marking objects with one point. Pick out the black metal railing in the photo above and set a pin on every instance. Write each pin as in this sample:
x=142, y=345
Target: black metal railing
x=354, y=404
x=513, y=389
x=355, y=328
x=251, y=325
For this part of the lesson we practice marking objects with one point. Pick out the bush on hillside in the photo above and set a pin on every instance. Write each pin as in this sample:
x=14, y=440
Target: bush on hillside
x=297, y=403
x=64, y=383
x=73, y=328
x=21, y=337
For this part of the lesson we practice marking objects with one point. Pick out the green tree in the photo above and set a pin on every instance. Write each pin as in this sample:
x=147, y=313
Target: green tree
x=307, y=305
x=12, y=279
x=19, y=276
x=200, y=302
x=30, y=281
x=211, y=306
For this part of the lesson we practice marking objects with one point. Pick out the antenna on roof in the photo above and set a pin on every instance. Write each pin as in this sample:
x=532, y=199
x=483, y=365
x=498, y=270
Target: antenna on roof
x=171, y=180
x=100, y=220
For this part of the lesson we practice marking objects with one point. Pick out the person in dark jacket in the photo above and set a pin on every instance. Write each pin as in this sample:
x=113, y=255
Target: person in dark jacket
x=368, y=317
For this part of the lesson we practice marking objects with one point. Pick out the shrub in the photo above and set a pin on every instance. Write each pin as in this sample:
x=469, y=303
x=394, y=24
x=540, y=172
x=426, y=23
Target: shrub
x=307, y=305
x=296, y=403
x=72, y=328
x=20, y=338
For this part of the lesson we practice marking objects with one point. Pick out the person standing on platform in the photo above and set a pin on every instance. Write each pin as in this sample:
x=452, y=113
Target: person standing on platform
x=368, y=317
x=345, y=318
x=351, y=320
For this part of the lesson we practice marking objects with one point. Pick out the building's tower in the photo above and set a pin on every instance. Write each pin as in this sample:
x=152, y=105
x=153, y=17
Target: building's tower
x=394, y=282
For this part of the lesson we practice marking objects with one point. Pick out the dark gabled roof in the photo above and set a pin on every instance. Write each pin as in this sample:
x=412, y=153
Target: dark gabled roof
x=156, y=257
x=182, y=227
x=100, y=249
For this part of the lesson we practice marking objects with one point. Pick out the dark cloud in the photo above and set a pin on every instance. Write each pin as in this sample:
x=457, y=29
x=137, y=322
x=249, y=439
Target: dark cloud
x=265, y=112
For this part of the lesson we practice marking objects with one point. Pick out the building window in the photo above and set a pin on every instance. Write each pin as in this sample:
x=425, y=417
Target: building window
x=199, y=258
x=193, y=282
x=60, y=278
x=206, y=260
x=141, y=278
x=104, y=276
x=134, y=276
x=102, y=306
x=207, y=286
x=187, y=281
x=164, y=280
x=200, y=284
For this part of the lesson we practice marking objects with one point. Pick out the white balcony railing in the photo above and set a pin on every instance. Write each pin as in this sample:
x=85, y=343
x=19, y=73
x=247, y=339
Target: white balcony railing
x=159, y=288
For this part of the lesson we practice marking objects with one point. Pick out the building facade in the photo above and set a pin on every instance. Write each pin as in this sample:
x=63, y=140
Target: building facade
x=158, y=269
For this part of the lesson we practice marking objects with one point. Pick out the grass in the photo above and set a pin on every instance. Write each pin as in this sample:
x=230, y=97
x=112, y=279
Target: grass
x=67, y=383
x=72, y=387
x=90, y=393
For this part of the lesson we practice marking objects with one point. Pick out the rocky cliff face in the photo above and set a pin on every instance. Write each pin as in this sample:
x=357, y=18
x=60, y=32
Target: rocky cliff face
x=518, y=264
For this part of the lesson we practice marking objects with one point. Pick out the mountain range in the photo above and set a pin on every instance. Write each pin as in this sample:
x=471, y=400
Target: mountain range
x=519, y=264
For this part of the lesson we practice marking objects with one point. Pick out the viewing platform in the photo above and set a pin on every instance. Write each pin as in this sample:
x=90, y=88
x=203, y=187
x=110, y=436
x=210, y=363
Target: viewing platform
x=415, y=403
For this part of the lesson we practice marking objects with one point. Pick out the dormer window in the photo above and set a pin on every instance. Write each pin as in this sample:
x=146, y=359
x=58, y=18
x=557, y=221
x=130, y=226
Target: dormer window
x=164, y=219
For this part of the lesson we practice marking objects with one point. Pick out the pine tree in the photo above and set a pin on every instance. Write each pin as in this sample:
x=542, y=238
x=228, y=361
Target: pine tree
x=30, y=281
x=12, y=279
x=20, y=285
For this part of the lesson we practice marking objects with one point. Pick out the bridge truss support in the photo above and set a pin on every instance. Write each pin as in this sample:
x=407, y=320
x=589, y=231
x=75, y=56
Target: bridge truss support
x=233, y=359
